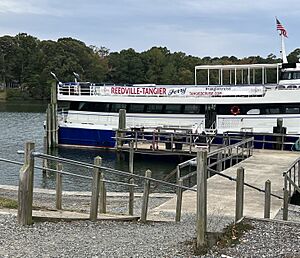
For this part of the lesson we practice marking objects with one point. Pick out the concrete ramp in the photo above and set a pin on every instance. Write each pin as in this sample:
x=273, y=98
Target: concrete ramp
x=263, y=165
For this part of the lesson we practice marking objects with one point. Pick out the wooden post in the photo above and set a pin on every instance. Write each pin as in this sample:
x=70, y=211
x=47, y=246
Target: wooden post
x=219, y=164
x=95, y=189
x=179, y=200
x=285, y=204
x=131, y=197
x=145, y=197
x=131, y=157
x=102, y=194
x=58, y=187
x=131, y=180
x=121, y=125
x=239, y=194
x=45, y=161
x=267, y=199
x=201, y=197
x=25, y=191
x=298, y=173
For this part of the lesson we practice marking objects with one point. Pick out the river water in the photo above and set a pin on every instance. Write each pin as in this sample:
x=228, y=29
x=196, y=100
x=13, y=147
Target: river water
x=24, y=122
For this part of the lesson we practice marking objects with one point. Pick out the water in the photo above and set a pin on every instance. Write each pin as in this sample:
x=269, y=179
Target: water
x=24, y=122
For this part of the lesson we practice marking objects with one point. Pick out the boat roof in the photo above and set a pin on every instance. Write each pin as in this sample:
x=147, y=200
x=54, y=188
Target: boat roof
x=239, y=66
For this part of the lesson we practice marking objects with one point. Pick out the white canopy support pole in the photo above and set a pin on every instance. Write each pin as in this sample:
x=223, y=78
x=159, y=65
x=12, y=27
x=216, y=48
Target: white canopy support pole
x=263, y=75
x=266, y=77
x=222, y=76
x=277, y=74
x=195, y=76
x=253, y=76
x=230, y=79
x=208, y=82
x=249, y=75
x=234, y=76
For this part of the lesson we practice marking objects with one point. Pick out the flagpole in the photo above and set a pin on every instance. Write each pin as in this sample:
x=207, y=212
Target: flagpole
x=283, y=53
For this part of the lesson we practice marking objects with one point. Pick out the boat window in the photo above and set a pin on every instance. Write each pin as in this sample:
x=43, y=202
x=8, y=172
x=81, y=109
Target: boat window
x=286, y=75
x=272, y=110
x=296, y=75
x=191, y=109
x=154, y=108
x=173, y=109
x=255, y=111
x=117, y=106
x=136, y=108
x=292, y=110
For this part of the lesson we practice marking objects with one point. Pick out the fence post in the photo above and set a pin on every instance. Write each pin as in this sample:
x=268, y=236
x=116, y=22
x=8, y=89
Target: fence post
x=285, y=204
x=58, y=187
x=95, y=189
x=201, y=197
x=298, y=173
x=102, y=194
x=219, y=164
x=25, y=191
x=267, y=199
x=179, y=200
x=145, y=197
x=239, y=206
x=131, y=157
x=131, y=197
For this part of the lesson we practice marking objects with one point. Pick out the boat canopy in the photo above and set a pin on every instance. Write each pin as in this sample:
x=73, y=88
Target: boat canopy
x=236, y=74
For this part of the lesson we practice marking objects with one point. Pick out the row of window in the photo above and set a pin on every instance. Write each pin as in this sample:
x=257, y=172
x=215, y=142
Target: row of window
x=220, y=109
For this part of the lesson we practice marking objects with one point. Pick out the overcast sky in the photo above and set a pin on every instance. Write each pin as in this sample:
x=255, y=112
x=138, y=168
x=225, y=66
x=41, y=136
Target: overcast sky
x=196, y=27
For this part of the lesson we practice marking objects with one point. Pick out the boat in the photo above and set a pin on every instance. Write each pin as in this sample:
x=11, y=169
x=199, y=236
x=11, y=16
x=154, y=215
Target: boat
x=225, y=98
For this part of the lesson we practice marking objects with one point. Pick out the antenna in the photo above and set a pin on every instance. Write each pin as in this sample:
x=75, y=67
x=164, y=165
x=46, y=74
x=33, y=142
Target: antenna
x=55, y=77
x=77, y=77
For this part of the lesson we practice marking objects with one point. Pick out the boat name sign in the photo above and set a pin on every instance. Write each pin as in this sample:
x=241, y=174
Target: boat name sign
x=196, y=91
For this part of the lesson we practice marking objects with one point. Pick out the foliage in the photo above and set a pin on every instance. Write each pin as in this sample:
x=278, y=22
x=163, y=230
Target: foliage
x=26, y=63
x=8, y=203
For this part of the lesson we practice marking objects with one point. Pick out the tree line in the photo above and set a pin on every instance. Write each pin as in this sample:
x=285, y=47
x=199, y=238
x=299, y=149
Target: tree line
x=26, y=63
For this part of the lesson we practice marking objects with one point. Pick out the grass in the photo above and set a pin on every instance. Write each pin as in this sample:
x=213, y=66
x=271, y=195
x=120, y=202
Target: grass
x=230, y=237
x=8, y=203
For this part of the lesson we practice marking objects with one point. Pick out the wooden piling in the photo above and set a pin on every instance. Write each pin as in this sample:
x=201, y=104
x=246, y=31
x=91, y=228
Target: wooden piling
x=95, y=189
x=145, y=197
x=201, y=197
x=219, y=164
x=25, y=191
x=121, y=126
x=267, y=199
x=239, y=207
x=51, y=120
x=179, y=200
x=131, y=157
x=58, y=187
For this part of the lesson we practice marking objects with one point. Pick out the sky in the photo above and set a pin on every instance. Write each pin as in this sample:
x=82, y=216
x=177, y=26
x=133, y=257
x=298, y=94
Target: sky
x=200, y=28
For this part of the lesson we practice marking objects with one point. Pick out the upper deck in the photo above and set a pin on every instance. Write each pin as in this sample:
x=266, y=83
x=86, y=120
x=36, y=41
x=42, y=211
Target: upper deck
x=222, y=84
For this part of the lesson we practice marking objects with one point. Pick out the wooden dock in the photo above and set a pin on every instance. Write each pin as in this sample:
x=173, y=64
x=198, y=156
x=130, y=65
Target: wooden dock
x=262, y=166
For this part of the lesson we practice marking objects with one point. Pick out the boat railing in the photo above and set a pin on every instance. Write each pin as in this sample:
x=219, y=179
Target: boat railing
x=263, y=140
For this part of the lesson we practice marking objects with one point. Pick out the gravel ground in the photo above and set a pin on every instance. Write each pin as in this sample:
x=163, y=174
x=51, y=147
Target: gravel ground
x=133, y=239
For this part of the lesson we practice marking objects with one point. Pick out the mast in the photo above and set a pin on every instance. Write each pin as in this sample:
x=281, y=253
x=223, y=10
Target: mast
x=283, y=52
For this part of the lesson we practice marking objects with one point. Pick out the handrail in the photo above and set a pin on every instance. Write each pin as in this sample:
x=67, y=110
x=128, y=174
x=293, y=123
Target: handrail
x=111, y=170
x=249, y=185
x=67, y=173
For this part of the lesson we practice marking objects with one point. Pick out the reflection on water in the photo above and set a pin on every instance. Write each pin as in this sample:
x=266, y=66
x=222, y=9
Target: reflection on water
x=18, y=127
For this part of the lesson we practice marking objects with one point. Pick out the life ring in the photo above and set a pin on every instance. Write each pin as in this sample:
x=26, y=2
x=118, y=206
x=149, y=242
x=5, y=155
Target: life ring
x=235, y=110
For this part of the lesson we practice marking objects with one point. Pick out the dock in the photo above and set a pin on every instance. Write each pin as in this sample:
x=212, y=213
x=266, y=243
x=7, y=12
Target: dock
x=221, y=192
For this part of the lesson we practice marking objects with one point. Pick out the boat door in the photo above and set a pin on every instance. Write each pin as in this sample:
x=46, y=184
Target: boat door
x=210, y=116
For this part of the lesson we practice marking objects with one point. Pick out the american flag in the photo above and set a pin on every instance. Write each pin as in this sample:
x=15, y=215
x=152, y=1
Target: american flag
x=280, y=27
